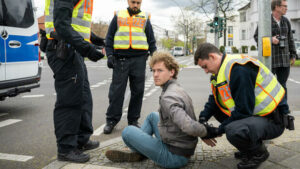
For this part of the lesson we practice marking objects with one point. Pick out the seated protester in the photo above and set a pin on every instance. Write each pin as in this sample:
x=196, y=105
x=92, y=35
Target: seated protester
x=175, y=127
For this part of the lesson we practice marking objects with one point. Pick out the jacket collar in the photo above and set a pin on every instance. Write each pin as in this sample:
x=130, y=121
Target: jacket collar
x=165, y=86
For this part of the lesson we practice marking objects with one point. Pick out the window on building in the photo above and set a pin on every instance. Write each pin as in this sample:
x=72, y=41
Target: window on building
x=230, y=29
x=230, y=42
x=243, y=17
x=243, y=34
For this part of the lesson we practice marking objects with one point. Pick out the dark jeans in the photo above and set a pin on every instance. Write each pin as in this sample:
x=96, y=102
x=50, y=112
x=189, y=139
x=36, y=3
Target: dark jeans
x=282, y=74
x=247, y=134
x=73, y=107
x=132, y=68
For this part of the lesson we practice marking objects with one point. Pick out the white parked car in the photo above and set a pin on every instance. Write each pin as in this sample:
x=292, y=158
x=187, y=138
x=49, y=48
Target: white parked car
x=178, y=51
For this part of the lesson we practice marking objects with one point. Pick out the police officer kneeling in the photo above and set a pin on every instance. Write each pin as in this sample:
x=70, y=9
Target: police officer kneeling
x=247, y=100
x=67, y=44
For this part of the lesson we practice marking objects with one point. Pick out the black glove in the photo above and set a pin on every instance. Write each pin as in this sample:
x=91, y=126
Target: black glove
x=95, y=54
x=212, y=132
x=97, y=40
x=110, y=61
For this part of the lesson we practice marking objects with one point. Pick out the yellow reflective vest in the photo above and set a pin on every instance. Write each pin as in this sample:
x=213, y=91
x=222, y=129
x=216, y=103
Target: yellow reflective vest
x=81, y=18
x=131, y=31
x=268, y=91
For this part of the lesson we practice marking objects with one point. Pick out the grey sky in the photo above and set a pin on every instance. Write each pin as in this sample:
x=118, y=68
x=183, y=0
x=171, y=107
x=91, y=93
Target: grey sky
x=161, y=10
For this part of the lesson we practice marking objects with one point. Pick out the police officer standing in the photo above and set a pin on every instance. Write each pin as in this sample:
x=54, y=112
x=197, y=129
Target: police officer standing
x=247, y=100
x=129, y=42
x=69, y=41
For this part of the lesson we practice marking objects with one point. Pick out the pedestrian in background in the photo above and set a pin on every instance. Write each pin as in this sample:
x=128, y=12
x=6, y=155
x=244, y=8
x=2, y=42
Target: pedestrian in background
x=283, y=46
x=129, y=42
x=246, y=99
x=68, y=30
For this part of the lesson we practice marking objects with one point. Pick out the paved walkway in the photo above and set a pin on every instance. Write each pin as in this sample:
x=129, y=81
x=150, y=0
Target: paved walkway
x=284, y=154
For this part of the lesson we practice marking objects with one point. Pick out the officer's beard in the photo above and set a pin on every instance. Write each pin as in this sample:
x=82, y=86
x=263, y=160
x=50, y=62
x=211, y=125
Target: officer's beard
x=133, y=12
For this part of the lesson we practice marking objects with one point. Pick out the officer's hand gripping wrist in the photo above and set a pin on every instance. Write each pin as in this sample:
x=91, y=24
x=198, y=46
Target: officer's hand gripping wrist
x=212, y=132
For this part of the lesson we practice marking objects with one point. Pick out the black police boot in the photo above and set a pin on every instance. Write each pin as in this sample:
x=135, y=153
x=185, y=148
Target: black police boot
x=89, y=145
x=75, y=156
x=255, y=159
x=134, y=123
x=109, y=127
x=240, y=155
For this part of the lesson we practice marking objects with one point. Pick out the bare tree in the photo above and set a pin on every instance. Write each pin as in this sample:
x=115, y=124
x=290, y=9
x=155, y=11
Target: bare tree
x=188, y=24
x=100, y=28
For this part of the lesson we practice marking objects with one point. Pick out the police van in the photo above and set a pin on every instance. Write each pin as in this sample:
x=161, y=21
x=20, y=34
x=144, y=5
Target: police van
x=20, y=63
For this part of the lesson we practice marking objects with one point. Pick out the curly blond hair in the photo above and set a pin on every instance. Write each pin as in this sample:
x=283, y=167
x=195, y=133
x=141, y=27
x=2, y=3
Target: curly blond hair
x=167, y=59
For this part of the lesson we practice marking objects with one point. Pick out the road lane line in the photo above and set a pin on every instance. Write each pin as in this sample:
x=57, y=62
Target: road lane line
x=13, y=157
x=3, y=114
x=99, y=130
x=292, y=80
x=9, y=122
x=33, y=96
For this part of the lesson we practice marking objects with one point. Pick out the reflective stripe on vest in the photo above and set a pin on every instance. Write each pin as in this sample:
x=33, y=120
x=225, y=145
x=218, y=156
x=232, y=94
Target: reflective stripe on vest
x=81, y=18
x=268, y=91
x=131, y=31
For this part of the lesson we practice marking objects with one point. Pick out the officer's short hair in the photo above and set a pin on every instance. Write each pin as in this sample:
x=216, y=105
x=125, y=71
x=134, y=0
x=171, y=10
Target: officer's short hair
x=275, y=3
x=167, y=59
x=203, y=50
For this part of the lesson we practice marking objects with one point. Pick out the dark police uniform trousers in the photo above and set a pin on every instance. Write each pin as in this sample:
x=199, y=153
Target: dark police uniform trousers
x=132, y=68
x=247, y=134
x=73, y=107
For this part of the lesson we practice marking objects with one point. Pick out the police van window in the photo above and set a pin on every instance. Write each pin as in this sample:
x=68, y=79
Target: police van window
x=17, y=13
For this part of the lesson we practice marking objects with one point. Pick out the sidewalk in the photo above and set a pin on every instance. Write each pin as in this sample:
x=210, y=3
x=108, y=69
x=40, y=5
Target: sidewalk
x=284, y=153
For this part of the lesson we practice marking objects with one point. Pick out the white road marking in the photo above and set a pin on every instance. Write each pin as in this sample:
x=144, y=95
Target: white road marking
x=99, y=130
x=13, y=157
x=33, y=96
x=192, y=67
x=151, y=92
x=292, y=80
x=3, y=114
x=9, y=122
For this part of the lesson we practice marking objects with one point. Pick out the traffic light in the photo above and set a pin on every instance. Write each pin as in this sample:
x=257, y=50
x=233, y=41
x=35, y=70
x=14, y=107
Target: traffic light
x=211, y=25
x=221, y=23
x=220, y=34
x=216, y=21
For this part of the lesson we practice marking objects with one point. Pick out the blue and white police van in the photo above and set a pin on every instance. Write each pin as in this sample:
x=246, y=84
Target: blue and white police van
x=20, y=63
